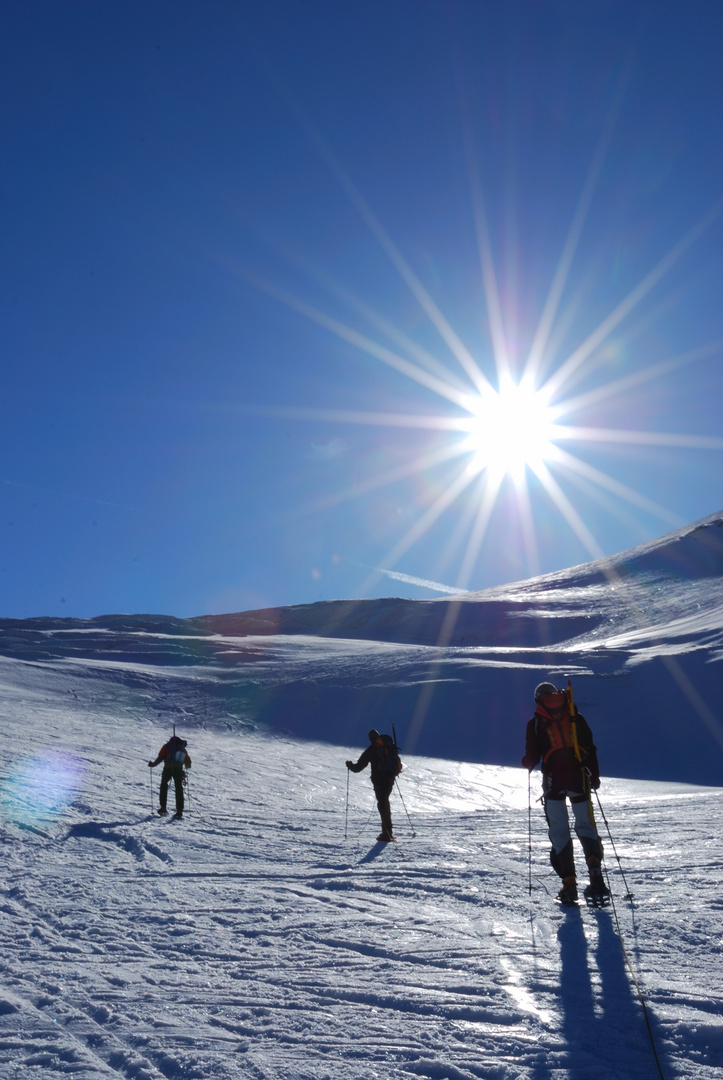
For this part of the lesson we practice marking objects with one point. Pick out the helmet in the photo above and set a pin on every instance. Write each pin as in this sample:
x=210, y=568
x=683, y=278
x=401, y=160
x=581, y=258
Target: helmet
x=373, y=734
x=545, y=688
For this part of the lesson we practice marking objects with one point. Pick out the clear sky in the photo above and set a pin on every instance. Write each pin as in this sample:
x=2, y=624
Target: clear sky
x=296, y=292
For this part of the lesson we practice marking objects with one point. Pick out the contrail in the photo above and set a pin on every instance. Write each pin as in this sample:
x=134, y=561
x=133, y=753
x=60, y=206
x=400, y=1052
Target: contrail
x=422, y=582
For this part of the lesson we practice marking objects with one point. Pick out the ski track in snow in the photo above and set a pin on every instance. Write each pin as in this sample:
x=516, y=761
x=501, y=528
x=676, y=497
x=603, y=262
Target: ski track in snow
x=251, y=940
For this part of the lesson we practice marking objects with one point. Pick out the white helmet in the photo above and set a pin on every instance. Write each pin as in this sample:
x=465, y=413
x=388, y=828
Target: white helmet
x=544, y=689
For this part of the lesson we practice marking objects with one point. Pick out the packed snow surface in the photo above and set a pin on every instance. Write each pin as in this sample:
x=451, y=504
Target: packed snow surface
x=254, y=940
x=267, y=936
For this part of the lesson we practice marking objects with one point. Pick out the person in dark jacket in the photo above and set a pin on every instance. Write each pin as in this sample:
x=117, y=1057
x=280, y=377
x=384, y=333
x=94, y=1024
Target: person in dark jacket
x=175, y=760
x=564, y=745
x=383, y=757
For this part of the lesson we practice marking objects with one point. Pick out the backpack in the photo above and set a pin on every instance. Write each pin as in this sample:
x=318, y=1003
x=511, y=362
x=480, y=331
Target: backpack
x=555, y=716
x=176, y=751
x=386, y=755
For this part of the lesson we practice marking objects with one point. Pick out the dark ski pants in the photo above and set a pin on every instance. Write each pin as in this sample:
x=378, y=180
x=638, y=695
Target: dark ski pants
x=561, y=854
x=383, y=786
x=175, y=772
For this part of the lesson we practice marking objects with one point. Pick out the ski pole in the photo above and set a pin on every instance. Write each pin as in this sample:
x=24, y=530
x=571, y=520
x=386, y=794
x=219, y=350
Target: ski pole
x=529, y=834
x=346, y=809
x=405, y=806
x=150, y=779
x=628, y=894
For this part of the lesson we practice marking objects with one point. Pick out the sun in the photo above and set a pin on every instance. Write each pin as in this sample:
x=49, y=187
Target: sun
x=510, y=429
x=488, y=433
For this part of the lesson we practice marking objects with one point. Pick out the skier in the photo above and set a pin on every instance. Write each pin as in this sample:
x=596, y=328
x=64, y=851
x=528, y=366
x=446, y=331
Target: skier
x=175, y=760
x=383, y=756
x=562, y=738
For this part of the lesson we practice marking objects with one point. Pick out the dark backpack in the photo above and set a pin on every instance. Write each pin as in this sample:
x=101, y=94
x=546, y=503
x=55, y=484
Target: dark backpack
x=176, y=751
x=386, y=755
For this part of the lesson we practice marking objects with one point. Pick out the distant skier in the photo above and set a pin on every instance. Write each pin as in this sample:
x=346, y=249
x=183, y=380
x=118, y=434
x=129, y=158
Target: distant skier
x=383, y=756
x=175, y=760
x=561, y=737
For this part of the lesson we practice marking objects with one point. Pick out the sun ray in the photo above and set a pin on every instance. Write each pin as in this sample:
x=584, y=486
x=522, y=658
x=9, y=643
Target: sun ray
x=479, y=531
x=456, y=543
x=527, y=521
x=373, y=483
x=589, y=472
x=616, y=316
x=621, y=510
x=425, y=301
x=638, y=438
x=327, y=155
x=425, y=522
x=489, y=276
x=427, y=422
x=542, y=334
x=402, y=340
x=620, y=386
x=361, y=341
x=708, y=717
x=568, y=511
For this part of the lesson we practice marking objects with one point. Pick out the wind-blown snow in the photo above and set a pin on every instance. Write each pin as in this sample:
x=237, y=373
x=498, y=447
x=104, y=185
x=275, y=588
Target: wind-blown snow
x=252, y=940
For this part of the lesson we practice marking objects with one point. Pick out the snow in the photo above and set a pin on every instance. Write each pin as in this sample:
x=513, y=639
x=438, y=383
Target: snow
x=253, y=940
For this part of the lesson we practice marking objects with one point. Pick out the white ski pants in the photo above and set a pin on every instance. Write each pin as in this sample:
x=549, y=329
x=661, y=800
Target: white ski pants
x=559, y=822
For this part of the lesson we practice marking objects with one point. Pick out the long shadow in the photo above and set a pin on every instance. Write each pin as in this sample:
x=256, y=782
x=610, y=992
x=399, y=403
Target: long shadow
x=577, y=1001
x=622, y=1009
x=373, y=853
x=602, y=1021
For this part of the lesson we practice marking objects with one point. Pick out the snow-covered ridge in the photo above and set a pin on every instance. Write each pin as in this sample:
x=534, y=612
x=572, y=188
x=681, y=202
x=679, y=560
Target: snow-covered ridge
x=641, y=634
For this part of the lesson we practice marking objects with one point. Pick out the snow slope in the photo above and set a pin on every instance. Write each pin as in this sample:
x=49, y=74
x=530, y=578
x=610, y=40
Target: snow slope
x=252, y=940
x=641, y=635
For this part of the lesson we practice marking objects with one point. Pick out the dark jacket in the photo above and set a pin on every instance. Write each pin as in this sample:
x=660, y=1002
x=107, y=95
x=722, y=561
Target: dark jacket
x=548, y=739
x=368, y=757
x=383, y=757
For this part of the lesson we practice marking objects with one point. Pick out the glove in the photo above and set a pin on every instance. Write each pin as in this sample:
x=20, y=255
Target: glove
x=526, y=763
x=150, y=764
x=349, y=764
x=595, y=782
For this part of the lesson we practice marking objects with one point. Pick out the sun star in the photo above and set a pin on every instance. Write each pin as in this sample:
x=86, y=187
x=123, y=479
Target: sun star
x=510, y=429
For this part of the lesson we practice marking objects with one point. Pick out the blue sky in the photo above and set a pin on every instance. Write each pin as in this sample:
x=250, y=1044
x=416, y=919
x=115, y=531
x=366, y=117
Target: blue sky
x=232, y=231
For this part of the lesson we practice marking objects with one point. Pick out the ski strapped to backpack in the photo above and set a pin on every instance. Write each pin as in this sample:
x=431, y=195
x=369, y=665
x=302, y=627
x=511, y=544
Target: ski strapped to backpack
x=573, y=723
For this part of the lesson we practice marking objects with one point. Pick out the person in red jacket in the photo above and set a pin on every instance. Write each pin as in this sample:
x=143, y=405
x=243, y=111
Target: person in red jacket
x=564, y=745
x=175, y=760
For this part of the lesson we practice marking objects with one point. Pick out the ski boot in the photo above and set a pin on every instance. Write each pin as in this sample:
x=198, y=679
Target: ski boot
x=385, y=837
x=597, y=893
x=568, y=892
x=162, y=811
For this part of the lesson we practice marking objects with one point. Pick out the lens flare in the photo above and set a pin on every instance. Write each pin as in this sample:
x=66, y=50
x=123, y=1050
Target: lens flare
x=40, y=787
